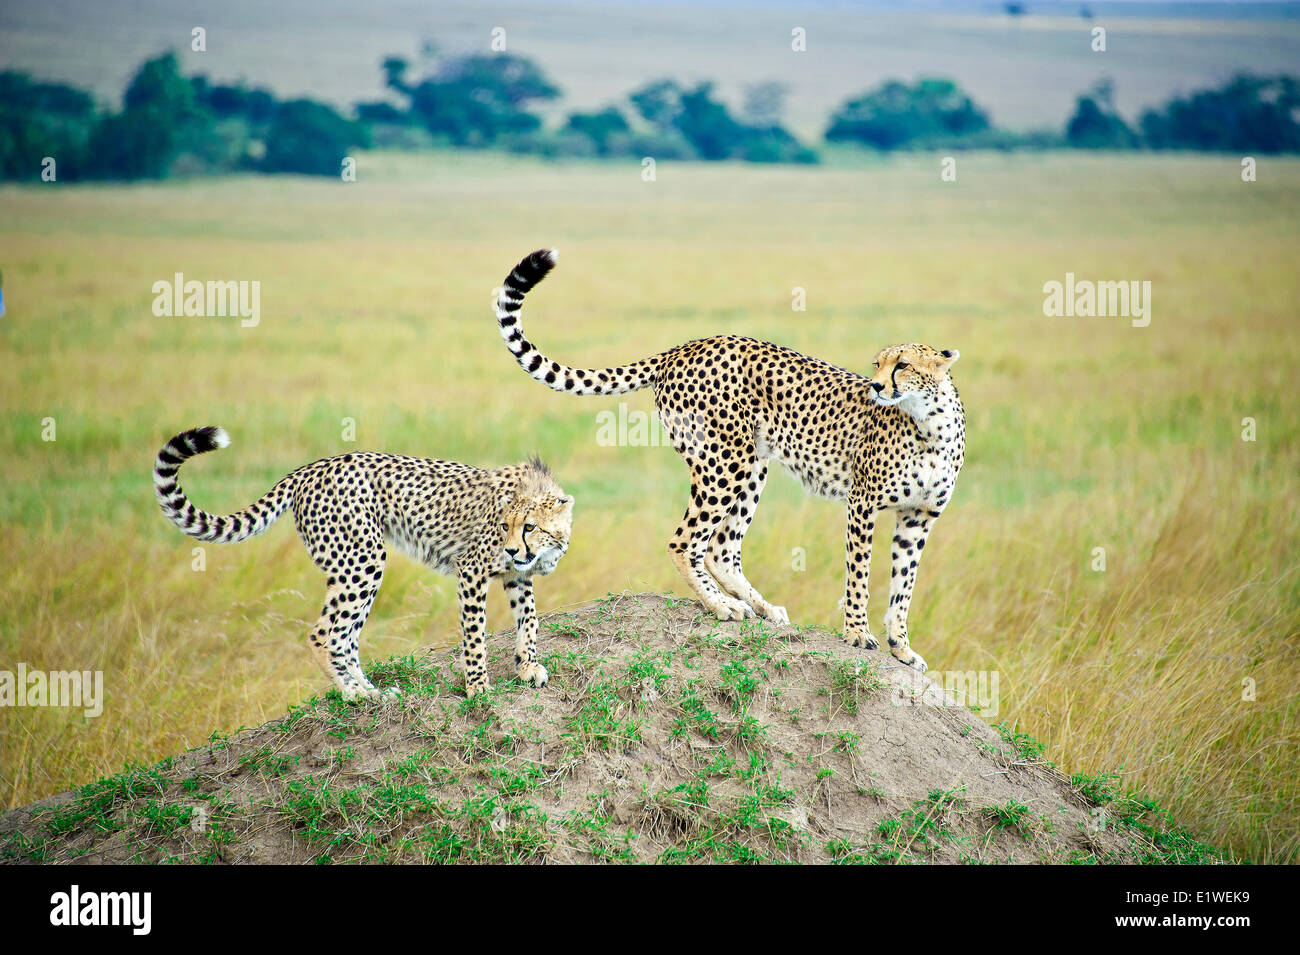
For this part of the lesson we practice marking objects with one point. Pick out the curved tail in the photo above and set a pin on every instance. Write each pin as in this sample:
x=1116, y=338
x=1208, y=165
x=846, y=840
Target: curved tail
x=219, y=528
x=574, y=381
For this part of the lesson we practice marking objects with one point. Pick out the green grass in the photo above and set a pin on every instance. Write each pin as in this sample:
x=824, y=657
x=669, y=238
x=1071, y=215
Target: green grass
x=1011, y=816
x=375, y=295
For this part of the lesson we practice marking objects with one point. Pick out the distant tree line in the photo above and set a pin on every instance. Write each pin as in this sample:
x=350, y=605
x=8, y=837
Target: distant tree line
x=172, y=124
x=168, y=124
x=484, y=100
x=1256, y=114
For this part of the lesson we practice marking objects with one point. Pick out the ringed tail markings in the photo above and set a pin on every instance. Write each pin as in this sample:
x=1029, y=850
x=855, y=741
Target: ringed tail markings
x=563, y=378
x=197, y=523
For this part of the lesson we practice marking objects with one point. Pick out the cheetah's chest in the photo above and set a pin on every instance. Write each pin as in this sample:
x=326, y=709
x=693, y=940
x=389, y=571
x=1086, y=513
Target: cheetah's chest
x=924, y=481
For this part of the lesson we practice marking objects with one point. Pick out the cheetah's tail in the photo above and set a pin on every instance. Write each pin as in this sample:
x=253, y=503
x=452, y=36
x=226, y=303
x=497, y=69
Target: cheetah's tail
x=574, y=381
x=218, y=528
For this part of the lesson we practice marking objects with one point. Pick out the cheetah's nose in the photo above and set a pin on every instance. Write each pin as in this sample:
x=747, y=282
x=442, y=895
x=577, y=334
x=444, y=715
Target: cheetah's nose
x=878, y=386
x=512, y=551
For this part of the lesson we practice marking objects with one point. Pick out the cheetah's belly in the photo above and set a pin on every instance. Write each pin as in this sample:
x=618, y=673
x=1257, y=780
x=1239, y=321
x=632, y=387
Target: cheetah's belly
x=428, y=549
x=825, y=472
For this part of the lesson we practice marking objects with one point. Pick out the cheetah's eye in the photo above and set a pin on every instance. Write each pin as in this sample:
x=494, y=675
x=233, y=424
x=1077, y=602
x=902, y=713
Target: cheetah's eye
x=506, y=528
x=529, y=528
x=901, y=365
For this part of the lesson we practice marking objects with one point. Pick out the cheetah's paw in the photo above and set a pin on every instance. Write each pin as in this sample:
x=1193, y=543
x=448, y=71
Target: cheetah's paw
x=729, y=608
x=778, y=615
x=534, y=673
x=863, y=640
x=911, y=658
x=356, y=692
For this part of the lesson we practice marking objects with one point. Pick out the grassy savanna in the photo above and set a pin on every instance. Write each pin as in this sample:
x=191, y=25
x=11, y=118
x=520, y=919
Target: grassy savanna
x=1083, y=433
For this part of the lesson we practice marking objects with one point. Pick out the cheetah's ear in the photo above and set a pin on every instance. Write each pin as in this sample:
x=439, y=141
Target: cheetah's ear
x=563, y=502
x=950, y=356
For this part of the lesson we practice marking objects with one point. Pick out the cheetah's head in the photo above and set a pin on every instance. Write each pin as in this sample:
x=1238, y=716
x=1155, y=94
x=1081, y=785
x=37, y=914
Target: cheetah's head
x=536, y=523
x=910, y=376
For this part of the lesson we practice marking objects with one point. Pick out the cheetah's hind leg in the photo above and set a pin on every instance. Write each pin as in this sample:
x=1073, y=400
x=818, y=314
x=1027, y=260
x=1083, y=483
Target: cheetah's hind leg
x=722, y=559
x=335, y=642
x=688, y=547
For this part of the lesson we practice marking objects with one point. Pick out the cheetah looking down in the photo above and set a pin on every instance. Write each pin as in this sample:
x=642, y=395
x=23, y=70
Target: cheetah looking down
x=893, y=441
x=511, y=523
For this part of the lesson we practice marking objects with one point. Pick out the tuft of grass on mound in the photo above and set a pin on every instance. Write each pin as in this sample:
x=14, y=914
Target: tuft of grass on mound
x=663, y=736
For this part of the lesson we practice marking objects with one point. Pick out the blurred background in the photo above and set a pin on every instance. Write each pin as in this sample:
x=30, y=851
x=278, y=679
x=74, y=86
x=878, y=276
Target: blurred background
x=1122, y=547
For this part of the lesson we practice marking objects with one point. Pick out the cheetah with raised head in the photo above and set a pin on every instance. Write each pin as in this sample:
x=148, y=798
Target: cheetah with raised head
x=731, y=405
x=512, y=523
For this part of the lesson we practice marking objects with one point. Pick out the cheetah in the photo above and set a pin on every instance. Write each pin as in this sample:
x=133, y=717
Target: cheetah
x=512, y=523
x=894, y=440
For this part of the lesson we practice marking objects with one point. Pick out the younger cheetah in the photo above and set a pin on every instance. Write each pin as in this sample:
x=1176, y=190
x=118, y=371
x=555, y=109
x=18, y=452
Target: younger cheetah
x=891, y=441
x=512, y=523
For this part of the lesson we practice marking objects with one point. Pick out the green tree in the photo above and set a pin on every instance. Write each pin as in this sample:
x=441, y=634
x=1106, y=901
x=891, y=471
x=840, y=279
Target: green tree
x=1248, y=114
x=309, y=137
x=477, y=100
x=256, y=106
x=158, y=85
x=42, y=119
x=131, y=145
x=599, y=127
x=708, y=126
x=1096, y=124
x=395, y=69
x=160, y=116
x=932, y=111
x=658, y=103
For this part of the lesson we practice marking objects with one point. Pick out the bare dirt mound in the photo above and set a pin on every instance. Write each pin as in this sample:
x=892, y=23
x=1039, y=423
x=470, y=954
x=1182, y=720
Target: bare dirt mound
x=664, y=735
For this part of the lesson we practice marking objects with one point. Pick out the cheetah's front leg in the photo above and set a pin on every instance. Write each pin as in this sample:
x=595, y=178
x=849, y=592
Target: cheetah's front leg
x=471, y=591
x=913, y=527
x=527, y=666
x=861, y=524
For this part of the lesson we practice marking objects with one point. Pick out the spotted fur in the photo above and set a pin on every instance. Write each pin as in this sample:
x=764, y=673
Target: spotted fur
x=512, y=523
x=892, y=441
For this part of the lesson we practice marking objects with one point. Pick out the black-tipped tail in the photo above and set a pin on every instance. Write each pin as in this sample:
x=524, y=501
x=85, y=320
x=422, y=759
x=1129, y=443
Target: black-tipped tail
x=553, y=374
x=524, y=276
x=219, y=528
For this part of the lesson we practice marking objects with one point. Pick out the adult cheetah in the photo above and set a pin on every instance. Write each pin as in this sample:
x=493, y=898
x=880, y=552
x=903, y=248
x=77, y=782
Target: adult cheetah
x=512, y=523
x=731, y=405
